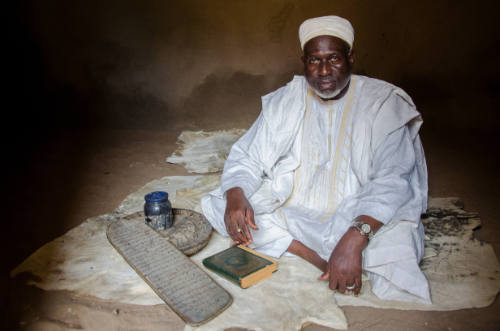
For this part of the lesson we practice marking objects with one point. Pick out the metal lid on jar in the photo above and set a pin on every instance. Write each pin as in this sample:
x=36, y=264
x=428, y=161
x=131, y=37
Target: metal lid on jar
x=157, y=196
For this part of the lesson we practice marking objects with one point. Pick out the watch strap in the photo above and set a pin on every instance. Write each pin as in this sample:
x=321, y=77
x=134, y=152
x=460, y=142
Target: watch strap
x=363, y=228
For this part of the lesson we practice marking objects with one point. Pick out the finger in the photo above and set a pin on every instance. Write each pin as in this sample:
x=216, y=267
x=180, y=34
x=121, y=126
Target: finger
x=234, y=230
x=235, y=238
x=342, y=285
x=250, y=219
x=246, y=228
x=333, y=282
x=243, y=230
x=248, y=235
x=350, y=286
x=324, y=276
x=358, y=283
x=240, y=229
x=230, y=229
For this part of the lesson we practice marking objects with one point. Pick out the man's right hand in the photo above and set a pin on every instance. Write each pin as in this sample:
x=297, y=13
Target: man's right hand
x=239, y=216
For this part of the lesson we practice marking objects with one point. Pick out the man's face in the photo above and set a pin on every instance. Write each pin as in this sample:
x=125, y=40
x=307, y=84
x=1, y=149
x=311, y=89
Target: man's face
x=327, y=66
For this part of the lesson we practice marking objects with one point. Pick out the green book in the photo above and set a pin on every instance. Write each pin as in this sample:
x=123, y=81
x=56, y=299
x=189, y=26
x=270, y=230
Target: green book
x=241, y=265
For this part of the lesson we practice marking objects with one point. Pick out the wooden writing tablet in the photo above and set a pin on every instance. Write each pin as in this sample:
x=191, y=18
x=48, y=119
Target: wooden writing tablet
x=184, y=286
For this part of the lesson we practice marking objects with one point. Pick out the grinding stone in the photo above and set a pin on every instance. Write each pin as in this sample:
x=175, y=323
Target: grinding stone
x=189, y=233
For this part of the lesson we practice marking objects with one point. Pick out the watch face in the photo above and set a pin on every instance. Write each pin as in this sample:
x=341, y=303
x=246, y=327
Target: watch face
x=366, y=228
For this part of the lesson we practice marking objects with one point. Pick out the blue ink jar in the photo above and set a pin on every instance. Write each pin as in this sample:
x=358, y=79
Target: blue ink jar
x=158, y=210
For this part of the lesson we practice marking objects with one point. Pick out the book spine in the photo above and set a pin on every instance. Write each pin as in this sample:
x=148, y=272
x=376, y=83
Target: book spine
x=258, y=276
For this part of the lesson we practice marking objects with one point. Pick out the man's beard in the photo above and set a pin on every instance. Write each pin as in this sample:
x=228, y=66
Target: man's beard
x=331, y=95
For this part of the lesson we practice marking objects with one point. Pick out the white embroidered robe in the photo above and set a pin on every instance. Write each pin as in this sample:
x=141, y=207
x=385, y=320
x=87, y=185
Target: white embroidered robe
x=309, y=167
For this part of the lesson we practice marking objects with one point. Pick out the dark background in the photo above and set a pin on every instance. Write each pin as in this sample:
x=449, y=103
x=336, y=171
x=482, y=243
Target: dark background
x=157, y=64
x=75, y=68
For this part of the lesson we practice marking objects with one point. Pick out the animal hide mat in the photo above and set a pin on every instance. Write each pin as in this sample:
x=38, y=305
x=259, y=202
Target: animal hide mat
x=462, y=271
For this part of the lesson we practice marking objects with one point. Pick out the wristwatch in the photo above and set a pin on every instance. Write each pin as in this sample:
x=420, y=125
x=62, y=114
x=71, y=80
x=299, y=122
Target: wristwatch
x=364, y=228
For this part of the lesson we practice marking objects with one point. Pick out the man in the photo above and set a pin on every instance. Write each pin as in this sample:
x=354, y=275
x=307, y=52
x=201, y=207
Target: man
x=332, y=171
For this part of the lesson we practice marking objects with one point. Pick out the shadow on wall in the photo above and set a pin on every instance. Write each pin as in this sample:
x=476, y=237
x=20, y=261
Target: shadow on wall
x=158, y=65
x=227, y=97
x=455, y=102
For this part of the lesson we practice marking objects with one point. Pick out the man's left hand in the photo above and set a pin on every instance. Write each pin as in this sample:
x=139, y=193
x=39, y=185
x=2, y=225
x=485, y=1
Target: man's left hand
x=345, y=263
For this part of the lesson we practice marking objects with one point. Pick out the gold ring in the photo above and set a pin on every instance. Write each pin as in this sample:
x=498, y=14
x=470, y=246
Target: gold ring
x=238, y=230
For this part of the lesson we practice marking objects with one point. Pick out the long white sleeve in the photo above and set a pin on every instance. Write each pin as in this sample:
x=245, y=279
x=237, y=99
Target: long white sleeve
x=389, y=187
x=244, y=166
x=253, y=157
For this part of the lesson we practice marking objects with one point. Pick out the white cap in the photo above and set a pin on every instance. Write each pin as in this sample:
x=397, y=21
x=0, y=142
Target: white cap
x=326, y=26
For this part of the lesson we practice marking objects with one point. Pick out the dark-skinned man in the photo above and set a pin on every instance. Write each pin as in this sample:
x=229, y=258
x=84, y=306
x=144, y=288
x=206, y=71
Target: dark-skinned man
x=332, y=171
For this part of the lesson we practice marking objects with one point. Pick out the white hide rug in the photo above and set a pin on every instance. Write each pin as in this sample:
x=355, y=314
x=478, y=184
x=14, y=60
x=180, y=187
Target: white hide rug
x=204, y=152
x=462, y=272
x=84, y=262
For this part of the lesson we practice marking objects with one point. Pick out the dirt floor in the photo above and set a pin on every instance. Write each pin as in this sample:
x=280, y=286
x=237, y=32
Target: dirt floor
x=78, y=174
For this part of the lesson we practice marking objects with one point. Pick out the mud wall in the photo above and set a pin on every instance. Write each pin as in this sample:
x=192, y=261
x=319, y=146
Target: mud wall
x=204, y=64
